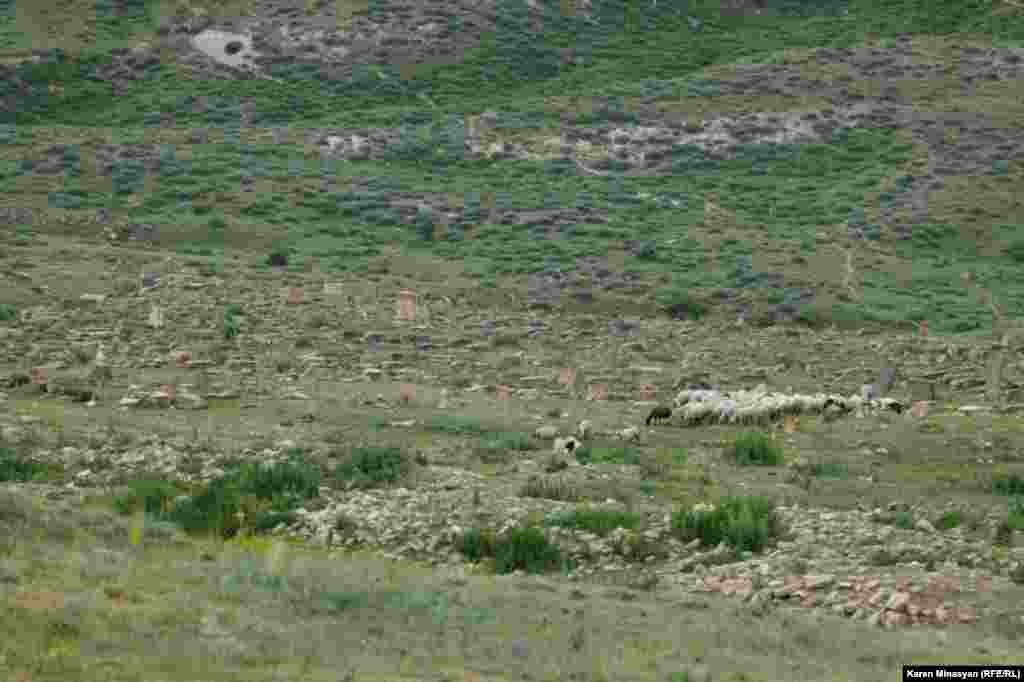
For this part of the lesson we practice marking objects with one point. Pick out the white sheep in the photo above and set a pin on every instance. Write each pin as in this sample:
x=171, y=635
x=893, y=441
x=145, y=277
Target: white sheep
x=787, y=404
x=585, y=429
x=726, y=410
x=747, y=414
x=764, y=410
x=694, y=413
x=816, y=403
x=761, y=407
x=630, y=433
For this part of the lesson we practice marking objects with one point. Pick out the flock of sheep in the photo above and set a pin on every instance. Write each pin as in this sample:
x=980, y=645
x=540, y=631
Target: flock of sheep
x=704, y=405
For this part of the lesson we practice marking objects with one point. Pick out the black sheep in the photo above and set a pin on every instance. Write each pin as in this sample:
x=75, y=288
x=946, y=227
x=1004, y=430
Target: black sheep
x=658, y=414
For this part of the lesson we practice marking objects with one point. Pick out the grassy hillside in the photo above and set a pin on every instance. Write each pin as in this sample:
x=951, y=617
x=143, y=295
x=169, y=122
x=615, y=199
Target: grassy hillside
x=785, y=206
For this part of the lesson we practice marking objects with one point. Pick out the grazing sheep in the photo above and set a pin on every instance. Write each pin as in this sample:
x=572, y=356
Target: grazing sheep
x=747, y=414
x=815, y=403
x=695, y=413
x=658, y=414
x=835, y=408
x=698, y=405
x=566, y=446
x=726, y=411
x=892, y=404
x=682, y=398
x=630, y=433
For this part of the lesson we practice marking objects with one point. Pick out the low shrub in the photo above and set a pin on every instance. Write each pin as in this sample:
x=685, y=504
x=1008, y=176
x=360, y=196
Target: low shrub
x=598, y=521
x=745, y=523
x=373, y=466
x=755, y=448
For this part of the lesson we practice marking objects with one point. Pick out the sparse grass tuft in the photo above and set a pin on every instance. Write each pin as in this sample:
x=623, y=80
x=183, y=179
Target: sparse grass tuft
x=830, y=470
x=549, y=488
x=1015, y=516
x=755, y=448
x=504, y=442
x=903, y=519
x=618, y=454
x=598, y=521
x=476, y=544
x=1008, y=484
x=232, y=324
x=950, y=519
x=372, y=466
x=1015, y=250
x=454, y=425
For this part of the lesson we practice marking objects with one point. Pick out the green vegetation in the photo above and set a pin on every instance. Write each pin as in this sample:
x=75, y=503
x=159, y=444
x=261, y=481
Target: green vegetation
x=372, y=466
x=599, y=521
x=755, y=448
x=502, y=442
x=745, y=523
x=1008, y=484
x=949, y=520
x=249, y=496
x=830, y=470
x=19, y=468
x=617, y=454
x=526, y=549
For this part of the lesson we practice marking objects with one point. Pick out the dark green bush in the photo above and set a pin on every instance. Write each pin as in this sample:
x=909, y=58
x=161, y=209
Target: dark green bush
x=1011, y=484
x=372, y=466
x=755, y=447
x=745, y=523
x=598, y=521
x=526, y=549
